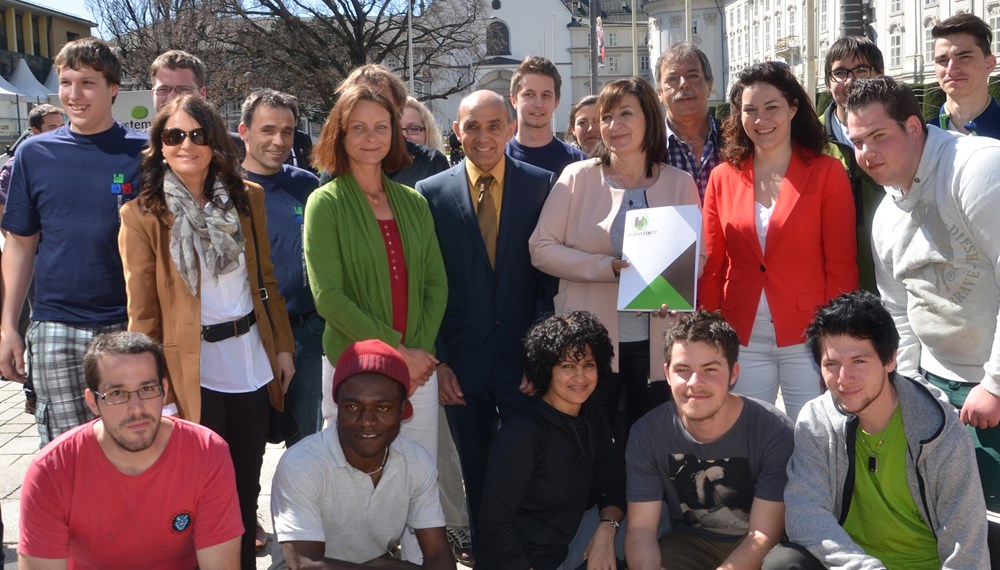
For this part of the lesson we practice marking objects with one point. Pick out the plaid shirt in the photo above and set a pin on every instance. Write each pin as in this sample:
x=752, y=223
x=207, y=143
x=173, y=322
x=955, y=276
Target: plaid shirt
x=681, y=156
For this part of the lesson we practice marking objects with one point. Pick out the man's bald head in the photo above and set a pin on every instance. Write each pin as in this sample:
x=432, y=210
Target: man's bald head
x=484, y=126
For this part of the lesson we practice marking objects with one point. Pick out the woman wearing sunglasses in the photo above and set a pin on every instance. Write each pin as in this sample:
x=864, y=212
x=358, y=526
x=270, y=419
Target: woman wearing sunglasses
x=190, y=246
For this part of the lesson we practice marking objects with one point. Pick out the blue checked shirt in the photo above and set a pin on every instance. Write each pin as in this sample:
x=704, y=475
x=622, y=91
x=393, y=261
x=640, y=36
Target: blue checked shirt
x=680, y=155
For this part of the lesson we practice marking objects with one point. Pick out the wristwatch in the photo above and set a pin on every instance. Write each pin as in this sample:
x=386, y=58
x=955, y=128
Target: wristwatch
x=613, y=523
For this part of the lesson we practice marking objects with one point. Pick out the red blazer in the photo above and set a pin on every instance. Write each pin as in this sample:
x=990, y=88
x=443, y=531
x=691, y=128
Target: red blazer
x=811, y=249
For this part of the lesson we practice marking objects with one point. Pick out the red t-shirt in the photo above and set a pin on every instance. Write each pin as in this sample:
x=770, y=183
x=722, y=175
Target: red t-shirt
x=76, y=505
x=397, y=273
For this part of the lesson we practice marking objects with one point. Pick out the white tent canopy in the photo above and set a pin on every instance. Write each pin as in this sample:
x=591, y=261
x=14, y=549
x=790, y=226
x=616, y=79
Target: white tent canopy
x=26, y=83
x=52, y=81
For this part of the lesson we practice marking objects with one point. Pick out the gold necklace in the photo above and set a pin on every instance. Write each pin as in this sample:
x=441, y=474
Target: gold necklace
x=373, y=201
x=380, y=467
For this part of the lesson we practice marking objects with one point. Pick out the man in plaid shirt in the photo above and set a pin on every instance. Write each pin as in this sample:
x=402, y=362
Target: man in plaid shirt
x=684, y=82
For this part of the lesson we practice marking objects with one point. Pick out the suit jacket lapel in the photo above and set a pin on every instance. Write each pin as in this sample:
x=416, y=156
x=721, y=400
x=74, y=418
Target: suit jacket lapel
x=459, y=188
x=793, y=185
x=508, y=202
x=746, y=208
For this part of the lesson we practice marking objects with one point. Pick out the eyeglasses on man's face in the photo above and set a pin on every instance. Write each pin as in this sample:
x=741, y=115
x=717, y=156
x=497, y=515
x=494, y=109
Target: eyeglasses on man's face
x=840, y=75
x=116, y=397
x=179, y=90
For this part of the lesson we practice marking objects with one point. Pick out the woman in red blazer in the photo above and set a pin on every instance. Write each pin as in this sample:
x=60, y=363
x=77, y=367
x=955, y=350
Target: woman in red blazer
x=779, y=233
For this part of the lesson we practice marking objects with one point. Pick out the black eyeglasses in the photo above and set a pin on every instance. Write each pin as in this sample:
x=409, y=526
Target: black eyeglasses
x=413, y=130
x=174, y=137
x=116, y=397
x=860, y=72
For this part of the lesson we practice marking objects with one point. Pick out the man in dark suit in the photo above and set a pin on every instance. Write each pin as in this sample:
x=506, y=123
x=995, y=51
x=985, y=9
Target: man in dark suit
x=484, y=208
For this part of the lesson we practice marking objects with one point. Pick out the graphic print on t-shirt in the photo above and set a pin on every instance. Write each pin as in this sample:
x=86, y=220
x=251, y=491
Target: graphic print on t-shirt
x=715, y=494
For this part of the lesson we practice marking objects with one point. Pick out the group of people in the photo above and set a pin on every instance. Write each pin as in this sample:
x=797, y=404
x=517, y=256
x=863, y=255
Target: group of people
x=414, y=307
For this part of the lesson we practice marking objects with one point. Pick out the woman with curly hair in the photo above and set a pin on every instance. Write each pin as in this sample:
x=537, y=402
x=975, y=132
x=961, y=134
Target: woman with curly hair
x=199, y=279
x=555, y=459
x=779, y=233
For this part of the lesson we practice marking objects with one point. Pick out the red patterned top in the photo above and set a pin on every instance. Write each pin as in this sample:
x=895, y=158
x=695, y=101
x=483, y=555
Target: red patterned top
x=397, y=273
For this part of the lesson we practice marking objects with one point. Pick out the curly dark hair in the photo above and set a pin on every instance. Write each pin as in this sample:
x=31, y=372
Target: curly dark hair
x=225, y=165
x=807, y=132
x=565, y=336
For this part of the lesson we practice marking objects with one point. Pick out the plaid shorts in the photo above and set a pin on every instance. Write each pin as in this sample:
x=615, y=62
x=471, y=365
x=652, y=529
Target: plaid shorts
x=55, y=365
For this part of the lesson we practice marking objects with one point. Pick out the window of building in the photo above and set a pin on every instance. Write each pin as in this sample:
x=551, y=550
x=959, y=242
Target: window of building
x=896, y=6
x=823, y=9
x=71, y=37
x=994, y=19
x=3, y=30
x=792, y=28
x=767, y=33
x=928, y=40
x=498, y=39
x=36, y=43
x=895, y=47
x=612, y=38
x=19, y=30
x=643, y=63
x=930, y=2
x=613, y=64
x=779, y=32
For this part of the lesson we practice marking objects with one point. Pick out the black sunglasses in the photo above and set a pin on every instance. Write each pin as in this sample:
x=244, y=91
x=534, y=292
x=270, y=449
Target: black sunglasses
x=174, y=137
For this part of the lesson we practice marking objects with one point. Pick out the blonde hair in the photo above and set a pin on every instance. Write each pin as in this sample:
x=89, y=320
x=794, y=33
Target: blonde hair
x=433, y=136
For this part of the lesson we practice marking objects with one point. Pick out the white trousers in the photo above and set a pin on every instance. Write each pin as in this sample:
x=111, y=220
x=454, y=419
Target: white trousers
x=764, y=366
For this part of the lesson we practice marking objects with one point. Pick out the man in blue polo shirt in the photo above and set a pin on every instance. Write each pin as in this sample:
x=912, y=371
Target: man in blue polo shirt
x=62, y=221
x=963, y=63
x=267, y=127
x=534, y=92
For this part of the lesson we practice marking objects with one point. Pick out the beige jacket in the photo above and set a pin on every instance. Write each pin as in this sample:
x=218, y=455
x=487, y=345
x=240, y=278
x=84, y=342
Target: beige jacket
x=572, y=242
x=160, y=305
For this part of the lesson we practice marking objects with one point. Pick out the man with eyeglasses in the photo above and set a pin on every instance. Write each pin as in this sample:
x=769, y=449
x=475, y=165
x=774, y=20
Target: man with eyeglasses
x=684, y=82
x=176, y=73
x=62, y=222
x=850, y=58
x=130, y=489
x=963, y=64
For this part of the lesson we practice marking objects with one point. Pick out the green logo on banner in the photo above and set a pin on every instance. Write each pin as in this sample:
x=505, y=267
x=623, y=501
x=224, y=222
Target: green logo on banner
x=140, y=112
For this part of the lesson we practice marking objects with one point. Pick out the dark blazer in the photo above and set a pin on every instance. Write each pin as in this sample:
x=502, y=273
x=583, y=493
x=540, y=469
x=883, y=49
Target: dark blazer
x=489, y=311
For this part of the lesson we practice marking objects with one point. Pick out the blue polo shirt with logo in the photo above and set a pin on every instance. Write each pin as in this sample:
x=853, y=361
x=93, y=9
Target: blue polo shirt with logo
x=285, y=194
x=68, y=188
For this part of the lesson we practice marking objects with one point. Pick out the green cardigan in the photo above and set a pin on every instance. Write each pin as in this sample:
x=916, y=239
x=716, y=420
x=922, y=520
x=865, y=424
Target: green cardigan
x=349, y=269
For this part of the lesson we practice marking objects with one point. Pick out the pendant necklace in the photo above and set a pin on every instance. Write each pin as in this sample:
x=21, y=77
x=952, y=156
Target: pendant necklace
x=386, y=456
x=872, y=457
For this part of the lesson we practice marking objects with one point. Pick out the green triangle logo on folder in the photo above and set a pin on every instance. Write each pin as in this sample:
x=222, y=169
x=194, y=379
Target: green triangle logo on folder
x=657, y=293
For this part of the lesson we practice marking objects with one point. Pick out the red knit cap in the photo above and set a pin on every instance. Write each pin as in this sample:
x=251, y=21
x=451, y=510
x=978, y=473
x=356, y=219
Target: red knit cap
x=377, y=357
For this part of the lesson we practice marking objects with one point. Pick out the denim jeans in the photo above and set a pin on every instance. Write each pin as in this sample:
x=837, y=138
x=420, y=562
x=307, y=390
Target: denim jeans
x=305, y=393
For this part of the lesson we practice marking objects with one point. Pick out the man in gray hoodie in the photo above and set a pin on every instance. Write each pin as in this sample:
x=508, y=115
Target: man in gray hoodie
x=881, y=475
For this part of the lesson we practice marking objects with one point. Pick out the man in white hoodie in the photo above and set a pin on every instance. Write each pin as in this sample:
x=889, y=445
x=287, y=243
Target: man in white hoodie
x=936, y=249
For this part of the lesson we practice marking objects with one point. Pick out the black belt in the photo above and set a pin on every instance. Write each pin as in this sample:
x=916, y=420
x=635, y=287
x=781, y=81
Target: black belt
x=222, y=331
x=297, y=320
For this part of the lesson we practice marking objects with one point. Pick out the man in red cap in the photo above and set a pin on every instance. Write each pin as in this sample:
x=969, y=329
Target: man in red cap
x=348, y=495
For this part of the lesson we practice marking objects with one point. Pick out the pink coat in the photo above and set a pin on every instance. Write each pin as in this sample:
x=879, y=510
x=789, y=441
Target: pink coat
x=572, y=241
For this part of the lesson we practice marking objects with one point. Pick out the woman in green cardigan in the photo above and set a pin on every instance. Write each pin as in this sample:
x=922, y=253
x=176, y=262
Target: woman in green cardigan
x=372, y=255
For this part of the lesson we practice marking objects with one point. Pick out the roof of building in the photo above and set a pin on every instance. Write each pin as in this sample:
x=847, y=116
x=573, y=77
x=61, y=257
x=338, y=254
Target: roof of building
x=41, y=8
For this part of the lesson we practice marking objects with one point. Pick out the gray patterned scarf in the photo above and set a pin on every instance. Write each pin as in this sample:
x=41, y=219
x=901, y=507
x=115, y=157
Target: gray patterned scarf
x=220, y=231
